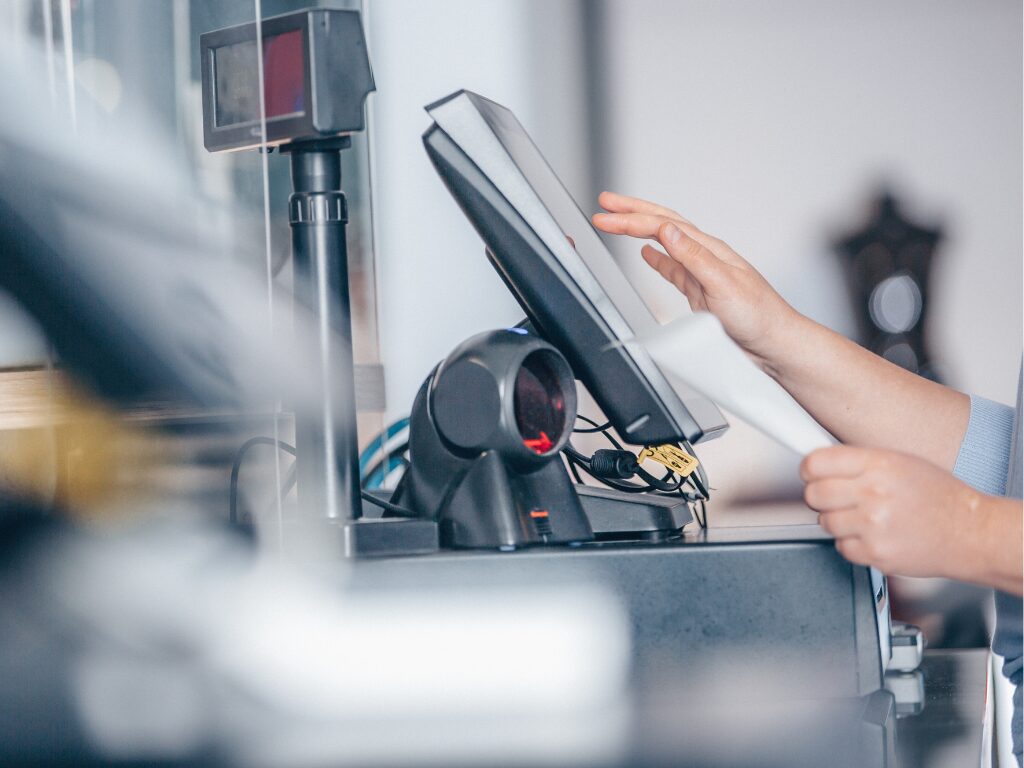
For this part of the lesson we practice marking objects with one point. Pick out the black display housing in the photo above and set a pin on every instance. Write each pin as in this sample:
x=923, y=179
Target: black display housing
x=336, y=80
x=624, y=381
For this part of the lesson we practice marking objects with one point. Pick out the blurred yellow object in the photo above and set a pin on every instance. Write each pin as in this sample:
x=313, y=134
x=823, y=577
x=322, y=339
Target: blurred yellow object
x=60, y=446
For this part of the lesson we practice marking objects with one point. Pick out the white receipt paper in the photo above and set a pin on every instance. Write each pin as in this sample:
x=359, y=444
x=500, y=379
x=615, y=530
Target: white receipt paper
x=696, y=351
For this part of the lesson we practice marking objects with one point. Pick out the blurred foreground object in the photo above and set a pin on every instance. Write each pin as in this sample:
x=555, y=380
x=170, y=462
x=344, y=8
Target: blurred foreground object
x=173, y=644
x=140, y=286
x=60, y=446
x=127, y=273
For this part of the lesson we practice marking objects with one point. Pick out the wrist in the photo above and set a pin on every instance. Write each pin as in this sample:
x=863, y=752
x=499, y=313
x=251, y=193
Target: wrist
x=988, y=542
x=783, y=343
x=966, y=538
x=995, y=554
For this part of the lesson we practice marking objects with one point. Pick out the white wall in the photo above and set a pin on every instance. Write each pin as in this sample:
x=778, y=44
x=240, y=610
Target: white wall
x=435, y=285
x=771, y=124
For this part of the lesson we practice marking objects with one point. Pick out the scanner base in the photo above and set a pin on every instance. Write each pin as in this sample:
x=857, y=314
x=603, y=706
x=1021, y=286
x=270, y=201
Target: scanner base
x=614, y=517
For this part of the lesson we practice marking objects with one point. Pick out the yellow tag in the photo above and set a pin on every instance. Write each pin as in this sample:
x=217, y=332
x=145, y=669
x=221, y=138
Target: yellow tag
x=671, y=456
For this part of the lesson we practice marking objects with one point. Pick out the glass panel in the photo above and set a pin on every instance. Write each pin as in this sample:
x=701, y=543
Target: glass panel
x=137, y=65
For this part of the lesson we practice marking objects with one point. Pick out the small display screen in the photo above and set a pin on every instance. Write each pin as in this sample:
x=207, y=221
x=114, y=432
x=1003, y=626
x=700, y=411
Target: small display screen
x=237, y=79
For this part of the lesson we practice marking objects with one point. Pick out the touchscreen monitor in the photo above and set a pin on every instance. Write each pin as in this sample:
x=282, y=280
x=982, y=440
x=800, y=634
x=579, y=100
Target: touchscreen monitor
x=554, y=262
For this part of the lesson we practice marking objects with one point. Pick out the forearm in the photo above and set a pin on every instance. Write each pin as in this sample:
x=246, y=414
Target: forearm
x=864, y=399
x=990, y=543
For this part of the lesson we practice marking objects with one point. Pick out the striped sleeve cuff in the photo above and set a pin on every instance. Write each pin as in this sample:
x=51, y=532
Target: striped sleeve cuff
x=985, y=451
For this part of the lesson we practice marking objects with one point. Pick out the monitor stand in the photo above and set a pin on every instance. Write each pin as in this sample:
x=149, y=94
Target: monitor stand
x=618, y=516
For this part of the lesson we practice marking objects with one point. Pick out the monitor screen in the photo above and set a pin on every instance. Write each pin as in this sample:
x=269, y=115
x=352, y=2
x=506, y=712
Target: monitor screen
x=237, y=79
x=569, y=217
x=566, y=247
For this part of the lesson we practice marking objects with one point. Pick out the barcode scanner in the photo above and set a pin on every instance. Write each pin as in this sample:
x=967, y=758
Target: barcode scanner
x=484, y=439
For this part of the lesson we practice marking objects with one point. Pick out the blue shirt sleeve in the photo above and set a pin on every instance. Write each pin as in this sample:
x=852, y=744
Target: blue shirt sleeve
x=984, y=462
x=985, y=451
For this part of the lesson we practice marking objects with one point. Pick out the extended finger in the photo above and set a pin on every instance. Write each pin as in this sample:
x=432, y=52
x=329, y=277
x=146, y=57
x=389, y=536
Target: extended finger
x=842, y=524
x=831, y=493
x=682, y=279
x=668, y=268
x=704, y=265
x=632, y=224
x=646, y=224
x=720, y=248
x=616, y=203
x=835, y=461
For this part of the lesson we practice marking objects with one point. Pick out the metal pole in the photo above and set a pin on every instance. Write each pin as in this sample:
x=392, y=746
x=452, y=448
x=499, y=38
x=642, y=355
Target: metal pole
x=326, y=443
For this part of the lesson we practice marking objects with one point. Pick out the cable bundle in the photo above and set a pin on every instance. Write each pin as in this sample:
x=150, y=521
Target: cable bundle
x=617, y=466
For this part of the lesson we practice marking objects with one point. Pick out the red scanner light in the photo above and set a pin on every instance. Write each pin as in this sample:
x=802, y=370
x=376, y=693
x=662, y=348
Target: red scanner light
x=540, y=444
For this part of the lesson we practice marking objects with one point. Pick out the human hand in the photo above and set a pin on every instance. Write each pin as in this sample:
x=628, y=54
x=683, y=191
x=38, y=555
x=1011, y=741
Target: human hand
x=710, y=274
x=892, y=510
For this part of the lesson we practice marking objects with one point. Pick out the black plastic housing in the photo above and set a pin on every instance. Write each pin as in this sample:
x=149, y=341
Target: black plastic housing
x=470, y=469
x=337, y=80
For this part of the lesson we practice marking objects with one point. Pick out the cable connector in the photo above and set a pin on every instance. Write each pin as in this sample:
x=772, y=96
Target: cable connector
x=613, y=464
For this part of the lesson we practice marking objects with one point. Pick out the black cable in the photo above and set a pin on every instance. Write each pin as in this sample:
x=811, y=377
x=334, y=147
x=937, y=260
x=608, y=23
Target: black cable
x=601, y=467
x=702, y=519
x=291, y=479
x=661, y=485
x=700, y=482
x=693, y=489
x=591, y=430
x=237, y=466
x=570, y=450
x=583, y=462
x=573, y=471
x=400, y=511
x=700, y=485
x=577, y=459
x=603, y=429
